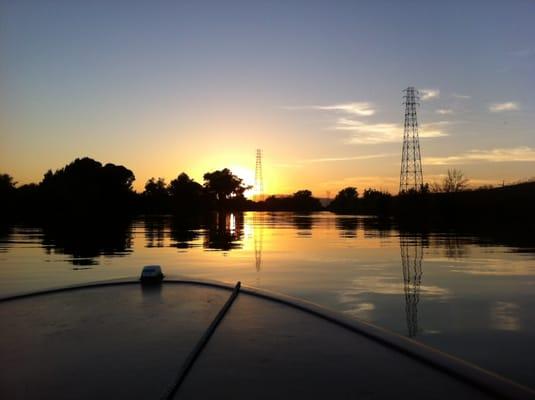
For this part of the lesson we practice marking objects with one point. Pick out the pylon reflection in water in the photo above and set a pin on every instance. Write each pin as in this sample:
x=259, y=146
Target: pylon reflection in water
x=411, y=261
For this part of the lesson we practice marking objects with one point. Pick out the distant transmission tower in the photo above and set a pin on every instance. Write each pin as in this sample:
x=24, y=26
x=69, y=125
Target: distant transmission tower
x=411, y=176
x=258, y=179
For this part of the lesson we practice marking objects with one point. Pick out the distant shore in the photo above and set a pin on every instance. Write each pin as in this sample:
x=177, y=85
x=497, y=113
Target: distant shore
x=85, y=188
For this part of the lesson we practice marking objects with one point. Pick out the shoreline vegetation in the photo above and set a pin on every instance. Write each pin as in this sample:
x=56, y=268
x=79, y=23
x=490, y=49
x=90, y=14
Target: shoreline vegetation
x=86, y=188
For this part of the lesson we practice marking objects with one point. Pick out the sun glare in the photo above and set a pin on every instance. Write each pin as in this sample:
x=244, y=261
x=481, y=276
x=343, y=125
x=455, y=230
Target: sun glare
x=247, y=174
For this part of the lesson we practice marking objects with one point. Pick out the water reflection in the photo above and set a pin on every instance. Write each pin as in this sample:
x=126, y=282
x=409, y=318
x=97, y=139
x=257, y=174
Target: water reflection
x=184, y=232
x=455, y=246
x=5, y=233
x=347, y=226
x=86, y=242
x=411, y=249
x=377, y=227
x=477, y=292
x=155, y=232
x=504, y=316
x=258, y=237
x=303, y=224
x=224, y=232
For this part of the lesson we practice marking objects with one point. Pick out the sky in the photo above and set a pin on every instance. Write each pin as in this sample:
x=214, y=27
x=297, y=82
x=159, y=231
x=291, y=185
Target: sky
x=164, y=87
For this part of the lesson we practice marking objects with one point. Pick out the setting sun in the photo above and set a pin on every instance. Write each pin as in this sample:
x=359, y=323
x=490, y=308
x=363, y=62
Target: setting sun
x=247, y=174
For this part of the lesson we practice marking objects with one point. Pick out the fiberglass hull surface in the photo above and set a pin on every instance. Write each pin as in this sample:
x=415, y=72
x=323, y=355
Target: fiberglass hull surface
x=130, y=341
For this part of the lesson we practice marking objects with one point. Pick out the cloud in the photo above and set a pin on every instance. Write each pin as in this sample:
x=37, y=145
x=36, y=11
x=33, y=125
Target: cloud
x=374, y=133
x=428, y=94
x=354, y=158
x=461, y=96
x=362, y=108
x=444, y=111
x=356, y=108
x=507, y=106
x=376, y=181
x=523, y=52
x=514, y=154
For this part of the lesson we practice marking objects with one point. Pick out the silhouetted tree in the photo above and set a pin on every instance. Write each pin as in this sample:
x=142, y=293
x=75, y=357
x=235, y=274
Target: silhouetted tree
x=304, y=201
x=7, y=184
x=156, y=197
x=28, y=200
x=85, y=187
x=186, y=194
x=346, y=200
x=156, y=187
x=225, y=186
x=7, y=195
x=455, y=181
x=376, y=202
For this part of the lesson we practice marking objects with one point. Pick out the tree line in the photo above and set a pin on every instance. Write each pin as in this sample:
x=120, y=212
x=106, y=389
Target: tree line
x=86, y=187
x=446, y=203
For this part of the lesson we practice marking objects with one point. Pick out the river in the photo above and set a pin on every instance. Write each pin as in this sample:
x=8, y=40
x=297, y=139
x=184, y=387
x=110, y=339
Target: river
x=470, y=295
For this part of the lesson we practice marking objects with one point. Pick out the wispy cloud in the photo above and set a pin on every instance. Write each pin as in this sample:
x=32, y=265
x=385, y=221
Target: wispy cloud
x=444, y=111
x=523, y=52
x=385, y=183
x=303, y=163
x=507, y=106
x=461, y=96
x=374, y=133
x=353, y=158
x=514, y=154
x=361, y=108
x=370, y=133
x=364, y=109
x=428, y=94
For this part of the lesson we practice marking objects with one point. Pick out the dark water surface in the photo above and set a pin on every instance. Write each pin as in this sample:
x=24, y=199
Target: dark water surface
x=469, y=295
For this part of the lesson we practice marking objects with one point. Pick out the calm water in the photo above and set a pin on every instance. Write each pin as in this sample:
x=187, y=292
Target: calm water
x=470, y=296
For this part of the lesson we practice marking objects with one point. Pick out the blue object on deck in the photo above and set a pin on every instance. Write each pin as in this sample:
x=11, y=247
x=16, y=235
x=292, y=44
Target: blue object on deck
x=151, y=274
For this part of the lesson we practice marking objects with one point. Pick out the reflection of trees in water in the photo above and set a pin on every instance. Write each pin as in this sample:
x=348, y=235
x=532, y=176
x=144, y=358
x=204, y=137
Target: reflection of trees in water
x=347, y=226
x=85, y=242
x=454, y=246
x=303, y=224
x=5, y=235
x=155, y=231
x=377, y=227
x=411, y=260
x=184, y=231
x=224, y=231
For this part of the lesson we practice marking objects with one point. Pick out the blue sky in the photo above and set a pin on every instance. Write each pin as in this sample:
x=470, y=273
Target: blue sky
x=168, y=86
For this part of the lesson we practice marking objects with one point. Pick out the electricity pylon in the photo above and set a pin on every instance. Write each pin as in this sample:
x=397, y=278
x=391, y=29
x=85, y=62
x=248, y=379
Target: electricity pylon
x=258, y=178
x=411, y=176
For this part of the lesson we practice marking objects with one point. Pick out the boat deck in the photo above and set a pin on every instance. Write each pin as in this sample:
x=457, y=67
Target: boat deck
x=132, y=341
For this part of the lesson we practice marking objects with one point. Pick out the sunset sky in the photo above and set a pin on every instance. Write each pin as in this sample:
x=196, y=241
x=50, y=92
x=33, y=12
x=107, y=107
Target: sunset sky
x=169, y=86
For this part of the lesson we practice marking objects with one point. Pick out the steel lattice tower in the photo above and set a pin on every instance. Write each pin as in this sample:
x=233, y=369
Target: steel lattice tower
x=411, y=176
x=258, y=179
